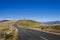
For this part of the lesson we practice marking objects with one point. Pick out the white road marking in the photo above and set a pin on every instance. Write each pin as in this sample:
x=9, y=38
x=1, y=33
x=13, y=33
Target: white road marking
x=43, y=38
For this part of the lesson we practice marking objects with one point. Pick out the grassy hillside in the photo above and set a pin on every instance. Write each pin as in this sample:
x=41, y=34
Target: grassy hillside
x=39, y=25
x=29, y=23
x=53, y=28
x=8, y=29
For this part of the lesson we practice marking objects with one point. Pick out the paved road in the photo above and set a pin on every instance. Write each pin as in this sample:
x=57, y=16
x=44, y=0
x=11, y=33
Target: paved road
x=29, y=34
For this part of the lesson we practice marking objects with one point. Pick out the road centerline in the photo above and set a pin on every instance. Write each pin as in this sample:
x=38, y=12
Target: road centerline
x=43, y=38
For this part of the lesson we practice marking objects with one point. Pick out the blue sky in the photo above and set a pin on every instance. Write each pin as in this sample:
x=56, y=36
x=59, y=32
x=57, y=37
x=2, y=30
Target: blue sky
x=39, y=10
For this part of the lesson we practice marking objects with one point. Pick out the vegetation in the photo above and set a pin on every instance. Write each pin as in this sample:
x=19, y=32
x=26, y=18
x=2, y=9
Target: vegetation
x=11, y=33
x=39, y=25
x=53, y=28
x=29, y=23
x=7, y=29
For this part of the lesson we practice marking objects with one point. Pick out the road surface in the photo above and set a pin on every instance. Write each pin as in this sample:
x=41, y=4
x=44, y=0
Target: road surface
x=29, y=34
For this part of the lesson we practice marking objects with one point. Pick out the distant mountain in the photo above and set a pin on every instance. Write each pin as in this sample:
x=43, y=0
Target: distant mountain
x=3, y=20
x=52, y=22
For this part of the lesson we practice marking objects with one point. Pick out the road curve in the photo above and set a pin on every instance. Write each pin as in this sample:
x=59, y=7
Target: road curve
x=29, y=34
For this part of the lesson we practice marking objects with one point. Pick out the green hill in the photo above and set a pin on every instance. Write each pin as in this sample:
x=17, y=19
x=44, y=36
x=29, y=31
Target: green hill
x=29, y=23
x=39, y=25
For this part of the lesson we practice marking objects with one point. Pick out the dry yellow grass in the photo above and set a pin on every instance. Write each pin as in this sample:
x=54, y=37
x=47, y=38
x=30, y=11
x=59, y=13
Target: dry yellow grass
x=10, y=31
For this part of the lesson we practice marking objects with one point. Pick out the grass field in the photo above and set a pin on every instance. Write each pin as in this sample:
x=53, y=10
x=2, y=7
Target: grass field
x=29, y=23
x=39, y=25
x=7, y=29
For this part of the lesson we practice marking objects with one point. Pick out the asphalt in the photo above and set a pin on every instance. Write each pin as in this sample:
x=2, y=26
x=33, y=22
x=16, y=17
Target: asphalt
x=29, y=34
